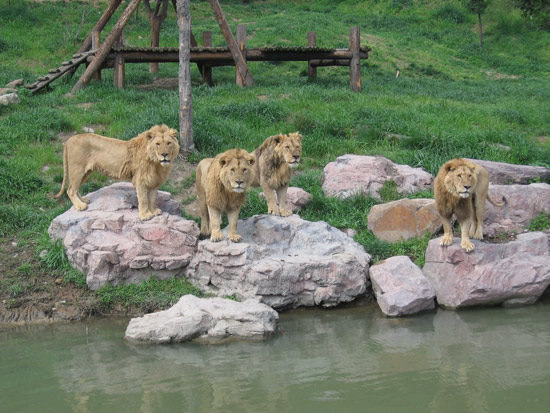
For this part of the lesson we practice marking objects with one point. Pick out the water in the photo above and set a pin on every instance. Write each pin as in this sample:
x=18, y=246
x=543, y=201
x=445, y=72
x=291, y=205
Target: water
x=343, y=360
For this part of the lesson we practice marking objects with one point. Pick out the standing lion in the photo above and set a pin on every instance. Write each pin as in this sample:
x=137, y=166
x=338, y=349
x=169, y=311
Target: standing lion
x=145, y=160
x=274, y=159
x=461, y=187
x=222, y=183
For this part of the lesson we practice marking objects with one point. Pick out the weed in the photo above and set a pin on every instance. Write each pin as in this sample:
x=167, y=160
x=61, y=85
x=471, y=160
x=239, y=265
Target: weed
x=540, y=223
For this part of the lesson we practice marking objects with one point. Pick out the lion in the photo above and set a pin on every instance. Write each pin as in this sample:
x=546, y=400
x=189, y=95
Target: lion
x=145, y=160
x=461, y=187
x=274, y=159
x=222, y=183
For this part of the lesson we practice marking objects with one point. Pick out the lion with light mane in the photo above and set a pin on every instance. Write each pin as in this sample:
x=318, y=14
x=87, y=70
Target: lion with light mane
x=145, y=160
x=274, y=159
x=461, y=187
x=222, y=183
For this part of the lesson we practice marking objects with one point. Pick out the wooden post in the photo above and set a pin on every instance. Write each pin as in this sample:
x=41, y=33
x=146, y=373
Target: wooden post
x=240, y=63
x=106, y=46
x=241, y=43
x=355, y=62
x=311, y=42
x=184, y=76
x=96, y=43
x=120, y=70
x=206, y=71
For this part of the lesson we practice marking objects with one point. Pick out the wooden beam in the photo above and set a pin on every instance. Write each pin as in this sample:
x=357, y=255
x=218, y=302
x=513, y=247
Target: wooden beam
x=240, y=63
x=96, y=44
x=311, y=68
x=184, y=77
x=355, y=63
x=119, y=67
x=206, y=70
x=106, y=46
x=241, y=43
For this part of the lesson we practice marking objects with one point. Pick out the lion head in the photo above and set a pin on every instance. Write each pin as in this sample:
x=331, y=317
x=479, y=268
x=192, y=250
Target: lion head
x=460, y=178
x=162, y=144
x=289, y=147
x=236, y=169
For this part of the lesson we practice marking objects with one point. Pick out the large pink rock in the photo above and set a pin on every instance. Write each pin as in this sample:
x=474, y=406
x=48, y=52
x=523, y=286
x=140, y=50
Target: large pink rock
x=353, y=174
x=110, y=244
x=400, y=287
x=285, y=262
x=296, y=198
x=523, y=203
x=515, y=272
x=403, y=219
x=505, y=173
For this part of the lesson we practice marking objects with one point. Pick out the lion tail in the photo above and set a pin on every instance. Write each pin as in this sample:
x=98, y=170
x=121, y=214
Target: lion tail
x=498, y=204
x=65, y=167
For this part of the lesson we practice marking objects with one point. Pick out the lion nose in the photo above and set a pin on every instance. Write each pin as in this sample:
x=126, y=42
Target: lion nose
x=296, y=158
x=467, y=186
x=165, y=155
x=239, y=181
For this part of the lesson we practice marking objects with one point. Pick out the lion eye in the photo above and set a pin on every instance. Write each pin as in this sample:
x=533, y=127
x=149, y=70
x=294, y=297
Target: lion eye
x=232, y=169
x=244, y=169
x=168, y=143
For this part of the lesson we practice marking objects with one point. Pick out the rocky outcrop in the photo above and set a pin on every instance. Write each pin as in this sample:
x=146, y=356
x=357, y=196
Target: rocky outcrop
x=523, y=203
x=403, y=219
x=353, y=174
x=511, y=273
x=110, y=244
x=505, y=173
x=284, y=262
x=400, y=287
x=9, y=99
x=204, y=319
x=296, y=198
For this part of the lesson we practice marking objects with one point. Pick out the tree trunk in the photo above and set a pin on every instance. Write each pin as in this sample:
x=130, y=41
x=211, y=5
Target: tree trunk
x=156, y=18
x=155, y=42
x=184, y=77
x=480, y=31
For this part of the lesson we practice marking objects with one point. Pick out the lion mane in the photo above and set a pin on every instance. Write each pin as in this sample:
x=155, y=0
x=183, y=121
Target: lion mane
x=145, y=160
x=274, y=158
x=461, y=188
x=222, y=183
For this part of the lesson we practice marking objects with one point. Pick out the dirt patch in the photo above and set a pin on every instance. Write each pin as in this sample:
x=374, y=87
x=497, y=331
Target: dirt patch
x=160, y=83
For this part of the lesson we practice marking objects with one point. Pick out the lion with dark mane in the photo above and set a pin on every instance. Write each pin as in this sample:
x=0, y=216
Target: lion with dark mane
x=461, y=187
x=274, y=159
x=222, y=183
x=145, y=160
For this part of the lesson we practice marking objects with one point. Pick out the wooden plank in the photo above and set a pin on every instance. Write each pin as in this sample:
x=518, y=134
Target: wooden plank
x=184, y=77
x=311, y=68
x=241, y=43
x=206, y=71
x=240, y=63
x=96, y=44
x=355, y=63
x=119, y=77
x=106, y=46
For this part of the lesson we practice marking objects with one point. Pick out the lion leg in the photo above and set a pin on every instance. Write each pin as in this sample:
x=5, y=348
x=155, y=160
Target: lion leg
x=205, y=220
x=272, y=206
x=143, y=204
x=447, y=231
x=84, y=199
x=233, y=218
x=281, y=196
x=215, y=222
x=76, y=175
x=465, y=242
x=152, y=197
x=476, y=232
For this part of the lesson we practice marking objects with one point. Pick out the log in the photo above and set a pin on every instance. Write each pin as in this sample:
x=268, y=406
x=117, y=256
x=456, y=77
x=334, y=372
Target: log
x=206, y=70
x=241, y=43
x=119, y=77
x=311, y=68
x=355, y=64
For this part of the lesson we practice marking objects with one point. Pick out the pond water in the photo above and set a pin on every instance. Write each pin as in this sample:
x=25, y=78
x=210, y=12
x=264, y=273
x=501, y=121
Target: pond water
x=341, y=360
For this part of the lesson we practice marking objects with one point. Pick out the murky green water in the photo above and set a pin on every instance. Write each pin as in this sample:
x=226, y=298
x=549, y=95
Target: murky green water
x=344, y=360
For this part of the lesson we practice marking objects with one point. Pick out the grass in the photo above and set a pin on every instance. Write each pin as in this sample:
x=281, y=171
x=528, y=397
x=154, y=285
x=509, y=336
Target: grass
x=451, y=99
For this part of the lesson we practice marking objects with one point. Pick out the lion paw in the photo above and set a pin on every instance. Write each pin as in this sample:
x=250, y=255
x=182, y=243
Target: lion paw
x=216, y=236
x=157, y=212
x=85, y=200
x=146, y=217
x=235, y=237
x=446, y=240
x=81, y=207
x=273, y=211
x=467, y=246
x=285, y=212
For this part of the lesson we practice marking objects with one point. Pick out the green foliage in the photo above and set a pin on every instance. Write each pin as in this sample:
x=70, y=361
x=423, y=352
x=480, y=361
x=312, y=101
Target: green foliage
x=477, y=6
x=540, y=223
x=537, y=10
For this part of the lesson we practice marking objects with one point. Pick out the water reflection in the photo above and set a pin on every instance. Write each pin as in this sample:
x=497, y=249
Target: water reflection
x=473, y=360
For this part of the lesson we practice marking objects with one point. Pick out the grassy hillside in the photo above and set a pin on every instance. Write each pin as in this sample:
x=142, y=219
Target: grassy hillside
x=451, y=99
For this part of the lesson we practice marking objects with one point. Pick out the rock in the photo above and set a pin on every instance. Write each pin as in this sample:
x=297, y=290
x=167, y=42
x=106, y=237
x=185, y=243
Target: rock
x=523, y=203
x=403, y=219
x=9, y=99
x=353, y=174
x=296, y=198
x=7, y=90
x=400, y=287
x=110, y=244
x=15, y=83
x=204, y=319
x=87, y=129
x=512, y=273
x=501, y=173
x=284, y=262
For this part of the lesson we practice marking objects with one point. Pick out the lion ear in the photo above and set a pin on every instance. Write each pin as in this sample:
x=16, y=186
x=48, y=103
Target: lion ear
x=251, y=160
x=174, y=133
x=223, y=161
x=278, y=138
x=298, y=135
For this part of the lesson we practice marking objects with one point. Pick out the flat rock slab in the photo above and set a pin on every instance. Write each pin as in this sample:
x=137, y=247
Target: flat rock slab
x=501, y=173
x=285, y=262
x=512, y=273
x=404, y=219
x=400, y=287
x=111, y=245
x=205, y=320
x=350, y=175
x=523, y=203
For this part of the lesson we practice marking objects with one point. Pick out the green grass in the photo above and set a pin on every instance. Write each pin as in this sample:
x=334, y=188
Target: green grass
x=451, y=99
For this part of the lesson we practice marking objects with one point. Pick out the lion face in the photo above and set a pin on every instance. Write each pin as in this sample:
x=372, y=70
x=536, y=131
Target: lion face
x=237, y=170
x=289, y=147
x=162, y=146
x=461, y=181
